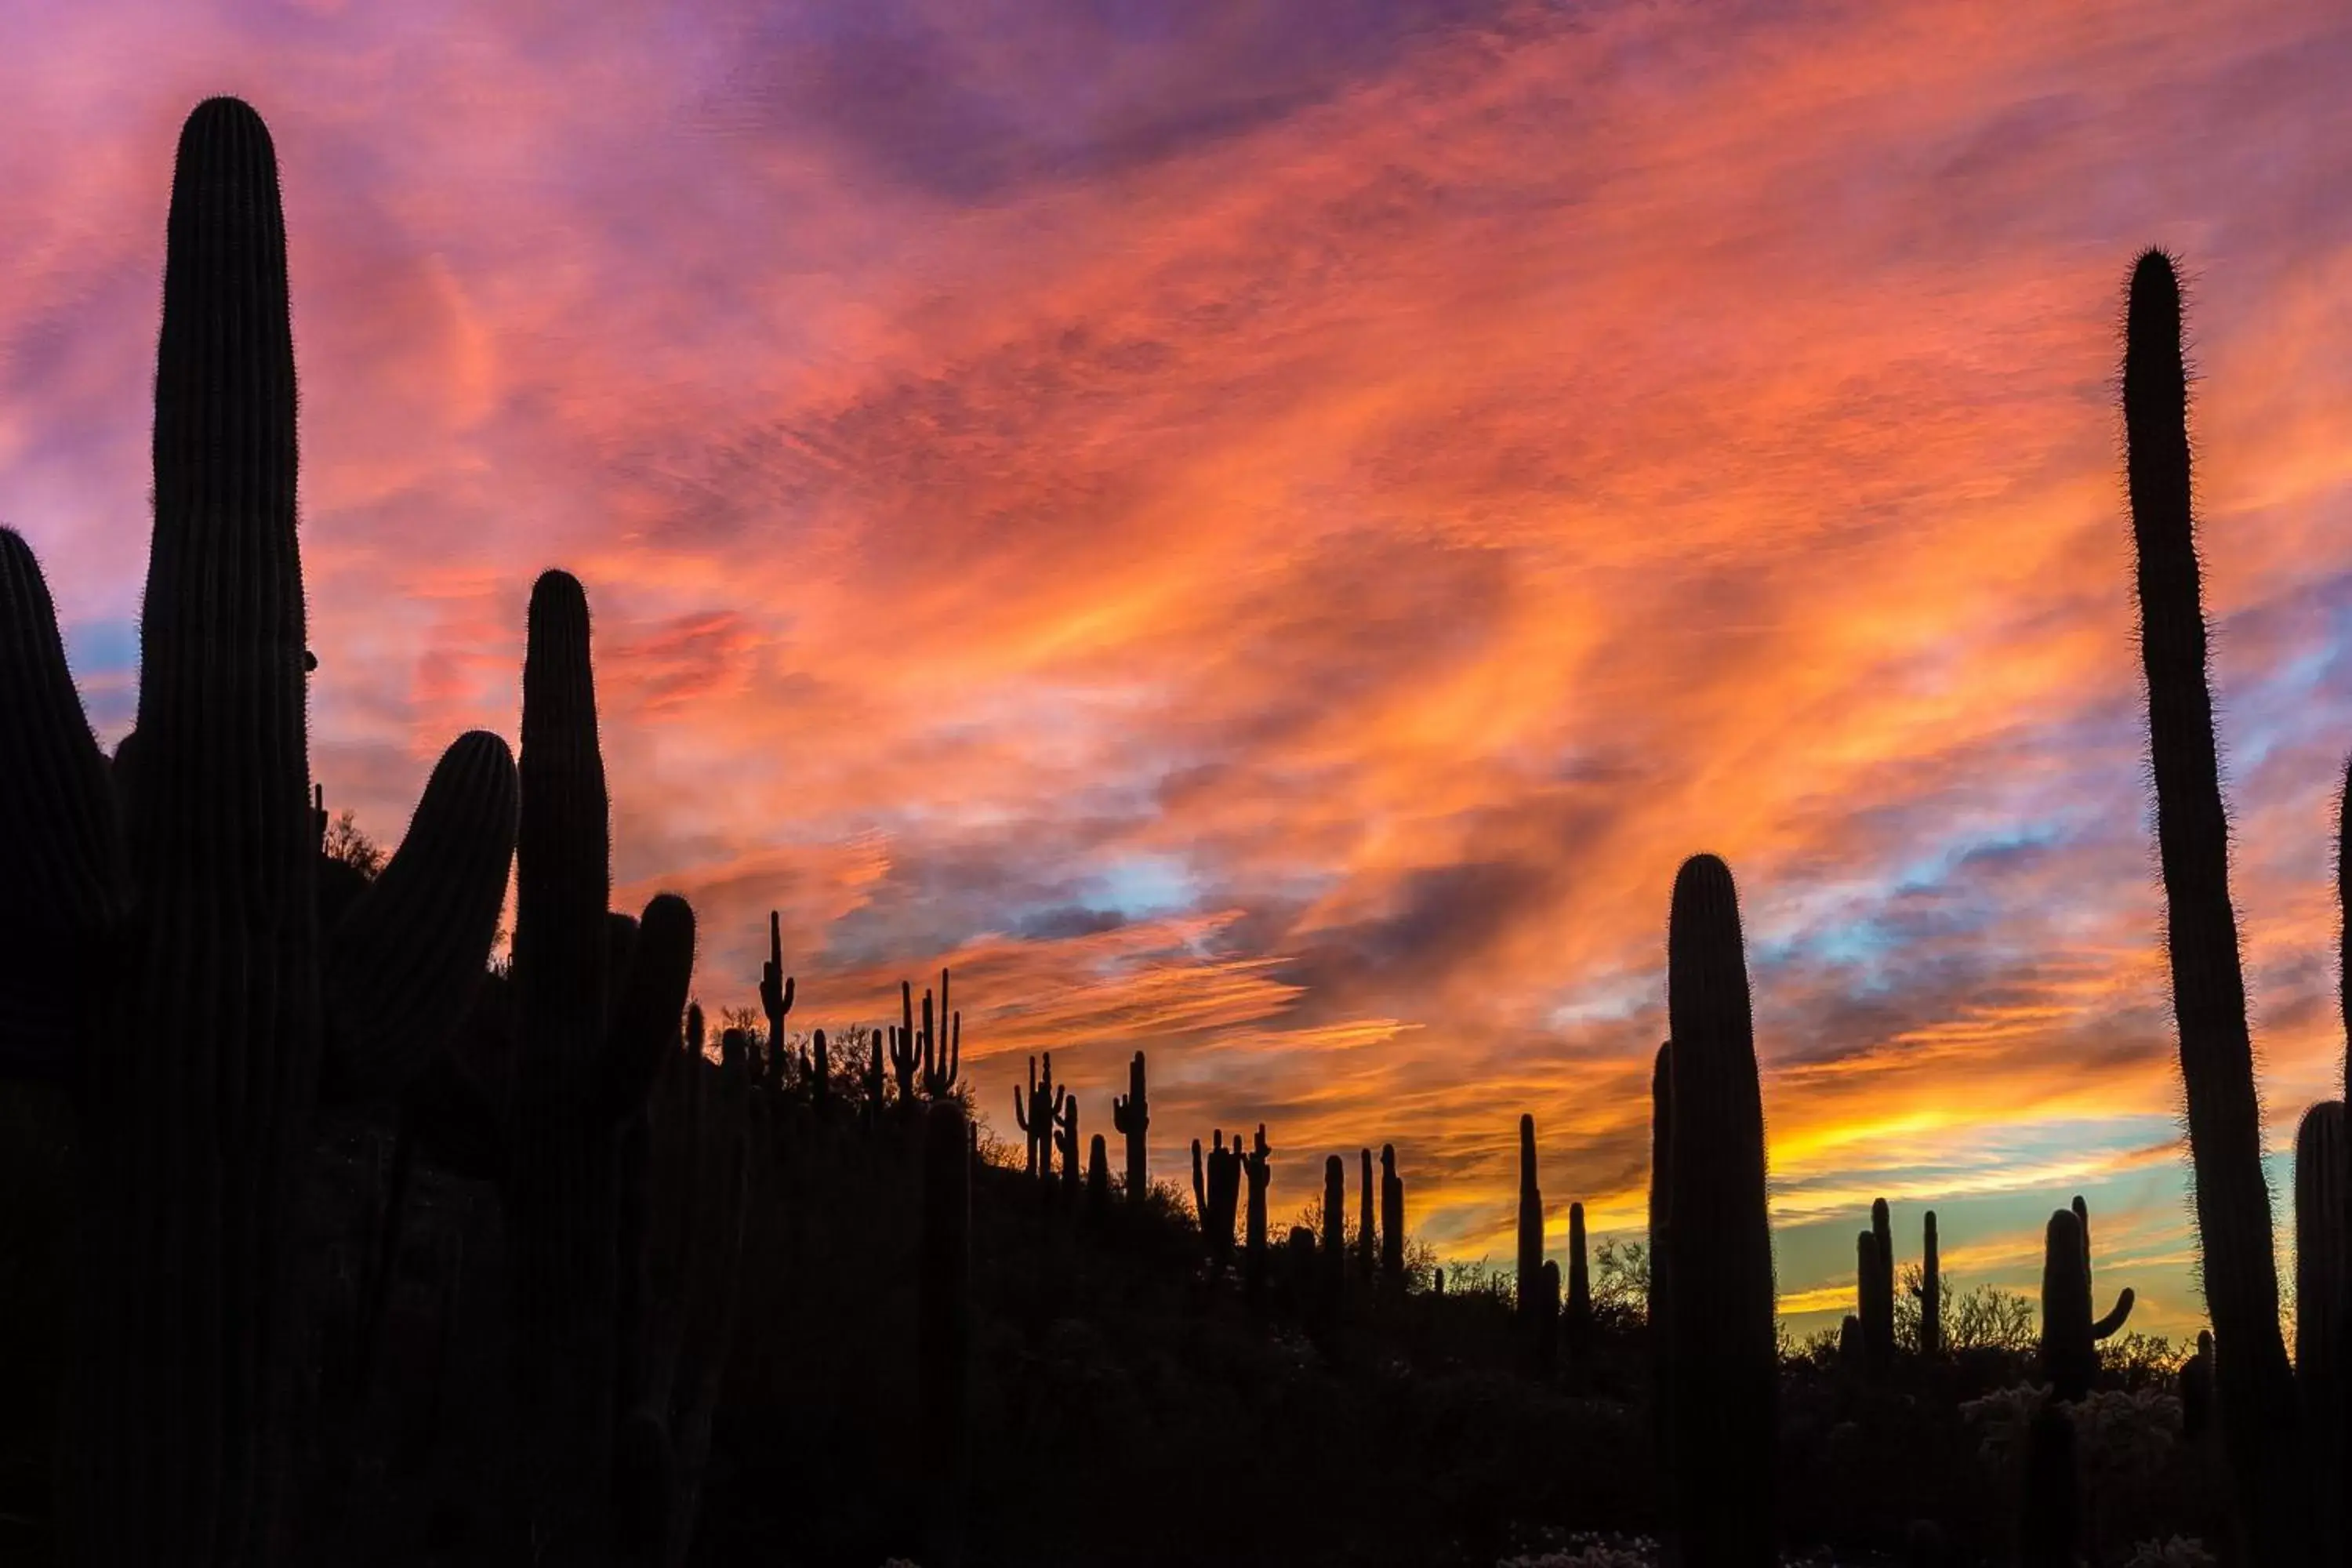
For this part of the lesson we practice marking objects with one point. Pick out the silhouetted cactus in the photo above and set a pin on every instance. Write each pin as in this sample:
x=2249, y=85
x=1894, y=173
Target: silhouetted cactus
x=587, y=1052
x=160, y=946
x=1391, y=1220
x=2256, y=1390
x=776, y=1001
x=943, y=1334
x=1223, y=1194
x=943, y=1046
x=1066, y=1139
x=1200, y=1195
x=1097, y=1178
x=1547, y=1353
x=1725, y=1361
x=1334, y=1232
x=1874, y=1257
x=1038, y=1113
x=2068, y=1332
x=2051, y=1520
x=1930, y=1290
x=1365, y=1231
x=874, y=1077
x=1658, y=1306
x=1529, y=1283
x=1132, y=1114
x=1576, y=1323
x=2322, y=1316
x=907, y=1058
x=1255, y=1166
x=694, y=1188
x=2196, y=1389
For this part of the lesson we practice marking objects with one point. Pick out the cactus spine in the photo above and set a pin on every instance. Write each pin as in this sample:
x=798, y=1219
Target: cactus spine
x=1725, y=1363
x=1391, y=1221
x=1132, y=1114
x=2256, y=1389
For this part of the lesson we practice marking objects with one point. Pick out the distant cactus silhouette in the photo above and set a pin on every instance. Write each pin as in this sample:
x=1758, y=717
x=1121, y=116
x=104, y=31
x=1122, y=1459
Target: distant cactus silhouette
x=943, y=1336
x=1726, y=1363
x=1037, y=1114
x=2068, y=1333
x=1255, y=1166
x=1874, y=1258
x=1529, y=1280
x=2256, y=1395
x=1366, y=1249
x=943, y=1046
x=1199, y=1194
x=1576, y=1323
x=1224, y=1193
x=907, y=1058
x=1335, y=1231
x=776, y=1001
x=1930, y=1290
x=1097, y=1178
x=1391, y=1220
x=1130, y=1113
x=1066, y=1139
x=195, y=1050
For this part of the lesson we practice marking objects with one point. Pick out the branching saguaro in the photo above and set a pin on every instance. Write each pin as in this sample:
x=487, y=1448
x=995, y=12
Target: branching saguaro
x=160, y=943
x=2255, y=1387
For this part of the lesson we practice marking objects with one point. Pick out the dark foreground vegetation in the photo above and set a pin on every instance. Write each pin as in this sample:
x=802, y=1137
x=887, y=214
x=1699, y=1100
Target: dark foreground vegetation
x=322, y=1241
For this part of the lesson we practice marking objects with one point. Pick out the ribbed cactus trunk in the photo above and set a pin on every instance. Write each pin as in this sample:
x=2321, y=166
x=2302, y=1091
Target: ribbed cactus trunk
x=181, y=1320
x=2322, y=1171
x=1726, y=1358
x=943, y=1336
x=2256, y=1388
x=561, y=1194
x=1931, y=1291
x=1391, y=1221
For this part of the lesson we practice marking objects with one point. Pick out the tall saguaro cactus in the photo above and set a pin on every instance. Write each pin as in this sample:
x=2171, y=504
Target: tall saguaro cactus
x=1726, y=1365
x=1930, y=1290
x=1257, y=1167
x=1529, y=1280
x=1132, y=1114
x=2255, y=1386
x=1576, y=1326
x=1391, y=1221
x=2068, y=1334
x=160, y=946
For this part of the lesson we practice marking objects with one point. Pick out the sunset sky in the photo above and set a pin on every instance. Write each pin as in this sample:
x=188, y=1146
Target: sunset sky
x=1265, y=531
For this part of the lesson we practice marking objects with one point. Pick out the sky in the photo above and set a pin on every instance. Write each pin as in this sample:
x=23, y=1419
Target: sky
x=1263, y=533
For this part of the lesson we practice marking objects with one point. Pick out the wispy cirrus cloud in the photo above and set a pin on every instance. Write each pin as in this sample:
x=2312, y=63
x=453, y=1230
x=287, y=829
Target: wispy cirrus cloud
x=1265, y=534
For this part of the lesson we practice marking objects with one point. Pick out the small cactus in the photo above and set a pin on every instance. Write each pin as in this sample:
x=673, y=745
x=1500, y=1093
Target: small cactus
x=1930, y=1290
x=1576, y=1325
x=1255, y=1166
x=1097, y=1178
